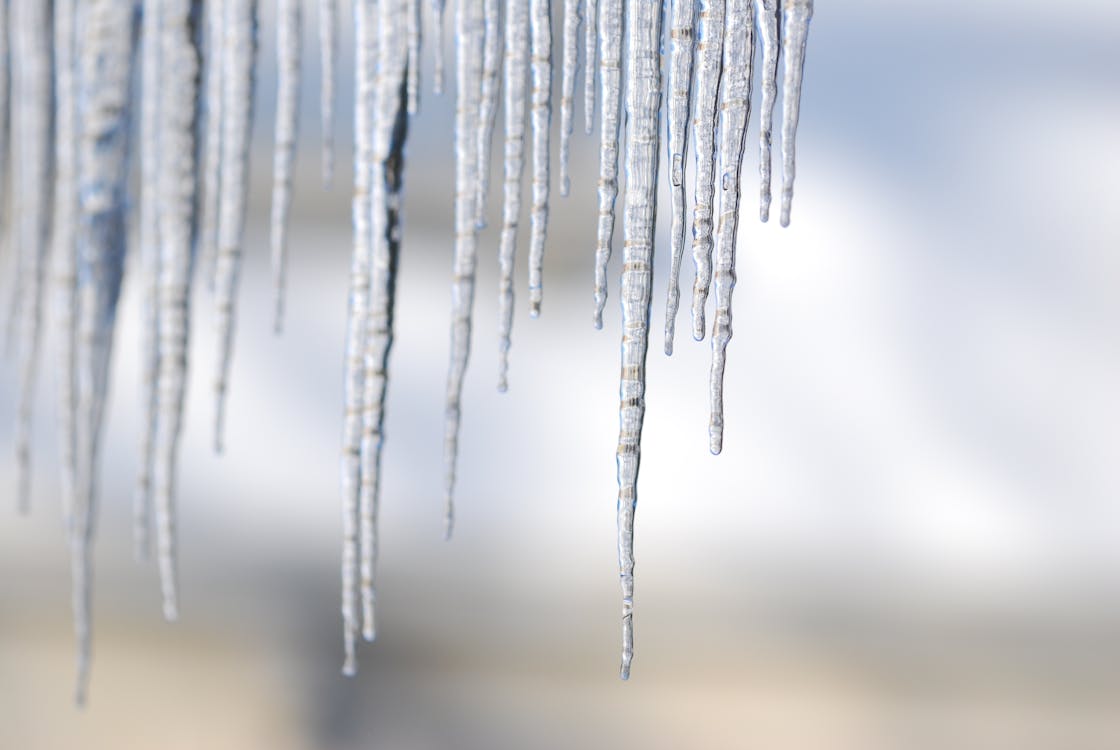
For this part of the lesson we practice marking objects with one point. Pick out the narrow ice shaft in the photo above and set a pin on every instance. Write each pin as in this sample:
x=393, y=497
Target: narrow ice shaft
x=33, y=161
x=488, y=102
x=328, y=61
x=212, y=156
x=5, y=99
x=767, y=13
x=469, y=33
x=516, y=74
x=437, y=8
x=643, y=100
x=610, y=83
x=590, y=35
x=709, y=70
x=414, y=35
x=105, y=73
x=176, y=185
x=796, y=15
x=540, y=47
x=390, y=123
x=364, y=69
x=680, y=90
x=288, y=53
x=570, y=66
x=237, y=93
x=735, y=110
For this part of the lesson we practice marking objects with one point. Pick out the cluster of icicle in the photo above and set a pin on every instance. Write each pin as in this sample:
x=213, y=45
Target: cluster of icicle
x=69, y=79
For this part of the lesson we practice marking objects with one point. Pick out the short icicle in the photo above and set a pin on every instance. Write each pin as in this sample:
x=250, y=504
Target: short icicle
x=796, y=15
x=212, y=155
x=709, y=74
x=516, y=74
x=570, y=66
x=469, y=33
x=328, y=61
x=767, y=13
x=643, y=100
x=611, y=23
x=680, y=90
x=488, y=102
x=590, y=36
x=288, y=53
x=735, y=110
x=540, y=46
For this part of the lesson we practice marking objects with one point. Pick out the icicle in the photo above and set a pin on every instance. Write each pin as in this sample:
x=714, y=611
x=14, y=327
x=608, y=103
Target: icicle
x=364, y=67
x=178, y=116
x=680, y=89
x=516, y=72
x=589, y=36
x=107, y=28
x=212, y=160
x=413, y=56
x=151, y=83
x=610, y=83
x=437, y=44
x=796, y=15
x=643, y=99
x=709, y=73
x=735, y=110
x=5, y=78
x=767, y=11
x=289, y=53
x=568, y=88
x=328, y=59
x=237, y=82
x=469, y=40
x=540, y=46
x=488, y=103
x=33, y=164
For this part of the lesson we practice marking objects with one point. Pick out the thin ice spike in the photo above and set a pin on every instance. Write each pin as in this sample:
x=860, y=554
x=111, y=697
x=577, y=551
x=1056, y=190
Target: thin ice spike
x=767, y=14
x=516, y=74
x=590, y=34
x=796, y=15
x=5, y=100
x=414, y=35
x=680, y=91
x=540, y=46
x=643, y=100
x=328, y=61
x=570, y=67
x=213, y=63
x=488, y=103
x=610, y=86
x=437, y=8
x=735, y=110
x=709, y=73
x=289, y=24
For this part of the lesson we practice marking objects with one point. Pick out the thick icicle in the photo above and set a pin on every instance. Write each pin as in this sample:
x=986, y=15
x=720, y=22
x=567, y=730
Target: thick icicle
x=414, y=32
x=709, y=73
x=390, y=129
x=488, y=102
x=150, y=86
x=767, y=12
x=288, y=53
x=568, y=88
x=176, y=183
x=212, y=158
x=328, y=61
x=680, y=90
x=540, y=46
x=32, y=156
x=796, y=15
x=107, y=33
x=735, y=110
x=365, y=33
x=516, y=73
x=643, y=100
x=590, y=34
x=437, y=45
x=237, y=83
x=610, y=82
x=469, y=34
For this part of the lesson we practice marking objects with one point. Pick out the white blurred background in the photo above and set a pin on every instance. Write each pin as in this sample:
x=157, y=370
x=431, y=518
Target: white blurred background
x=908, y=542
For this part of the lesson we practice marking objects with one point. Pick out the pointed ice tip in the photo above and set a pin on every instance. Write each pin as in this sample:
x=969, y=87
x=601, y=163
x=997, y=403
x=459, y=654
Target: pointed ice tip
x=565, y=187
x=764, y=213
x=350, y=667
x=369, y=634
x=171, y=611
x=624, y=672
x=715, y=443
x=785, y=215
x=503, y=386
x=535, y=309
x=597, y=320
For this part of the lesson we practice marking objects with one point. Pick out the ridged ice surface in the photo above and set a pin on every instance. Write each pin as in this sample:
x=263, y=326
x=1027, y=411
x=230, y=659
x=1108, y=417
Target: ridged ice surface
x=540, y=116
x=796, y=15
x=289, y=23
x=767, y=14
x=488, y=100
x=328, y=60
x=610, y=83
x=569, y=68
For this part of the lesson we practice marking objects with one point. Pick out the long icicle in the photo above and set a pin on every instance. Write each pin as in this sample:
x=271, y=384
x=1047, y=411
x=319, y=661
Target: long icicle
x=590, y=35
x=735, y=111
x=32, y=154
x=570, y=67
x=516, y=75
x=150, y=89
x=540, y=47
x=176, y=183
x=796, y=15
x=390, y=129
x=611, y=24
x=680, y=91
x=5, y=104
x=414, y=33
x=328, y=61
x=488, y=102
x=437, y=8
x=709, y=73
x=364, y=69
x=212, y=159
x=237, y=82
x=107, y=29
x=469, y=37
x=289, y=24
x=767, y=13
x=643, y=99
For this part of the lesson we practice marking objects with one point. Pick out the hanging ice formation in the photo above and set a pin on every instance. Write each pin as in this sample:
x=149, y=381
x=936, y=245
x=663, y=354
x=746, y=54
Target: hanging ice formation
x=66, y=86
